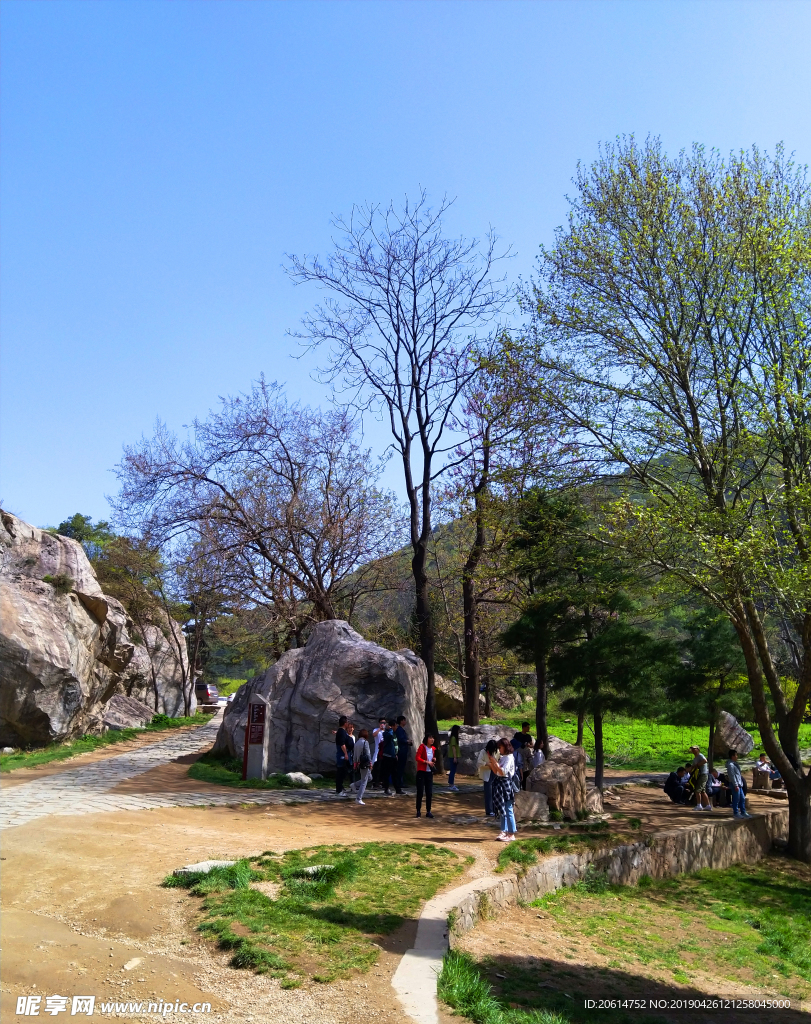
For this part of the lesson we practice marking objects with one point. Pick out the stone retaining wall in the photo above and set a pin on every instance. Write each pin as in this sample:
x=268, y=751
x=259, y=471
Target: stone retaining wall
x=717, y=844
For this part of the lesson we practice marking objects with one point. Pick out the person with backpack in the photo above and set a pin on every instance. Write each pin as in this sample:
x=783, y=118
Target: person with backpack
x=343, y=764
x=426, y=762
x=403, y=743
x=363, y=763
x=699, y=775
x=506, y=783
x=388, y=757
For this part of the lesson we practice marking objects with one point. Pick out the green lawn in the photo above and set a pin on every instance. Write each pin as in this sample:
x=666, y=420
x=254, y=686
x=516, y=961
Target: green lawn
x=225, y=687
x=61, y=751
x=749, y=924
x=329, y=905
x=224, y=770
x=636, y=744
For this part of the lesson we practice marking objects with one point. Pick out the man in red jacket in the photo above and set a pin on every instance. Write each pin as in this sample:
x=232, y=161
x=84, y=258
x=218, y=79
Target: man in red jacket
x=426, y=760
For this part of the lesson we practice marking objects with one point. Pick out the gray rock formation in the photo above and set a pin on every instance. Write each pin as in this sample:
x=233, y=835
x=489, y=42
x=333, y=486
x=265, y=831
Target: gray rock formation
x=336, y=673
x=66, y=650
x=563, y=779
x=126, y=713
x=730, y=735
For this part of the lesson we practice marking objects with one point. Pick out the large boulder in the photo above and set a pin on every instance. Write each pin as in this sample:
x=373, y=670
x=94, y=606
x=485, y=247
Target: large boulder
x=731, y=735
x=66, y=648
x=450, y=699
x=562, y=777
x=126, y=713
x=472, y=738
x=336, y=673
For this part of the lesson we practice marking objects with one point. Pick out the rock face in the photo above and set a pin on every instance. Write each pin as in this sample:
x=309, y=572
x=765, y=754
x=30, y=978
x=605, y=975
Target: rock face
x=126, y=713
x=450, y=700
x=66, y=650
x=562, y=777
x=730, y=735
x=472, y=738
x=336, y=673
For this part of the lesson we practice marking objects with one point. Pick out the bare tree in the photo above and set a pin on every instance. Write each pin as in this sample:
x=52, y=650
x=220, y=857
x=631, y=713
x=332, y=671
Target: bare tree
x=403, y=320
x=283, y=492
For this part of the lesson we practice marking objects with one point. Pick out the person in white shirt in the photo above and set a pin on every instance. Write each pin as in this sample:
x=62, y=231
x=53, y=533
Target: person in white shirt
x=537, y=755
x=503, y=794
x=486, y=775
x=377, y=739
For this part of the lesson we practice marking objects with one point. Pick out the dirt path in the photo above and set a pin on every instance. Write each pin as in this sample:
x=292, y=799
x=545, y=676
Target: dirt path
x=82, y=897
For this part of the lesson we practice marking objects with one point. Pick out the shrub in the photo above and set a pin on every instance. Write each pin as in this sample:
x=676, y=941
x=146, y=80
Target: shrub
x=62, y=583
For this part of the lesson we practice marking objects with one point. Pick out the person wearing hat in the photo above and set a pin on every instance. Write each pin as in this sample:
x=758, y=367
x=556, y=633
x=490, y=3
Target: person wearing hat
x=700, y=775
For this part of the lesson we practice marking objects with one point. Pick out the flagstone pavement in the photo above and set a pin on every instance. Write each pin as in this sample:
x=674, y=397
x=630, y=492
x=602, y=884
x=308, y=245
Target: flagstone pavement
x=89, y=788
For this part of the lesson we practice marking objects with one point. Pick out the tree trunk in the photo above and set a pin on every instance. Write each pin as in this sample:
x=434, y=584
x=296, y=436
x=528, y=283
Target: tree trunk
x=599, y=751
x=710, y=744
x=471, y=680
x=540, y=705
x=427, y=642
x=799, y=822
x=581, y=718
x=470, y=603
x=488, y=710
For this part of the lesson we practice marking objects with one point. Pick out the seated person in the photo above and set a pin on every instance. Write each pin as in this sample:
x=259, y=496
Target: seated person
x=762, y=765
x=675, y=786
x=714, y=785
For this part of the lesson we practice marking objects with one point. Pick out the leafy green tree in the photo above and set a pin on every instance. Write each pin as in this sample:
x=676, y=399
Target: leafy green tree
x=93, y=537
x=674, y=311
x=612, y=670
x=547, y=559
x=706, y=679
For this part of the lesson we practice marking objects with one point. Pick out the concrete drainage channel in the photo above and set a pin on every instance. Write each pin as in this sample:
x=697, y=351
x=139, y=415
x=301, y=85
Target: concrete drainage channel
x=718, y=844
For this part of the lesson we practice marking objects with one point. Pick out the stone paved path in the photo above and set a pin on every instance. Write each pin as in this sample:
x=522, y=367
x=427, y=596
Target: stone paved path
x=87, y=789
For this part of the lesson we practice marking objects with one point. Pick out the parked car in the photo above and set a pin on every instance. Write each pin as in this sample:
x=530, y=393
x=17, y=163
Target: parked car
x=206, y=693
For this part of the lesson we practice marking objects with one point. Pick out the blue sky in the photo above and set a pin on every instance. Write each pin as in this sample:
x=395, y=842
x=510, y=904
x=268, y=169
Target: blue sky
x=158, y=160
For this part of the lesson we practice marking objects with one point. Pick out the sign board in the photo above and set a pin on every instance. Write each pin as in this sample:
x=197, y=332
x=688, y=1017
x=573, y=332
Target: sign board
x=257, y=736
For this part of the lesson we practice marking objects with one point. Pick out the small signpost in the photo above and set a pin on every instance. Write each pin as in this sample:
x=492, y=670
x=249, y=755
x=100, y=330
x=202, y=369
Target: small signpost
x=257, y=733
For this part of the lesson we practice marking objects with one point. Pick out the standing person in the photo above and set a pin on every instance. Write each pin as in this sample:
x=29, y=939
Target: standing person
x=503, y=770
x=377, y=764
x=538, y=757
x=403, y=743
x=363, y=763
x=350, y=753
x=388, y=757
x=522, y=737
x=735, y=780
x=426, y=759
x=486, y=775
x=342, y=762
x=700, y=775
x=454, y=754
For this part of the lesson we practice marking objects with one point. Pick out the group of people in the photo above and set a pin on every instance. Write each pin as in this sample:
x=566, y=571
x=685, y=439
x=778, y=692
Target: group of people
x=708, y=786
x=380, y=760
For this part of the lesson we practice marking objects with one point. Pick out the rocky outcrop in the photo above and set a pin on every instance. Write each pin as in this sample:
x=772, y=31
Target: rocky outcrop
x=66, y=648
x=336, y=673
x=562, y=777
x=126, y=713
x=731, y=735
x=472, y=738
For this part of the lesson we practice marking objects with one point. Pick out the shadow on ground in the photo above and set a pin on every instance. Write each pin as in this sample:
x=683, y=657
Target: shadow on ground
x=534, y=983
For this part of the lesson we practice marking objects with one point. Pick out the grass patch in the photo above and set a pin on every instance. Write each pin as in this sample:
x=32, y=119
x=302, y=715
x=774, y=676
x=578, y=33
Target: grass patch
x=225, y=687
x=334, y=902
x=756, y=919
x=61, y=751
x=223, y=770
x=463, y=986
x=523, y=853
